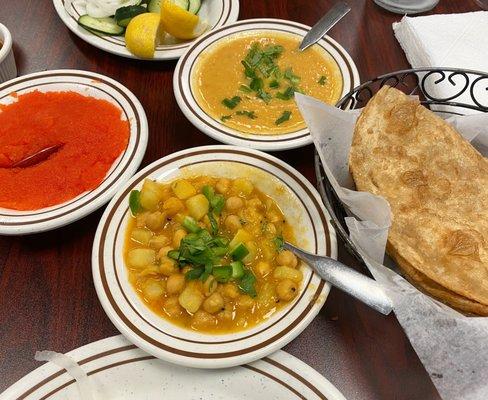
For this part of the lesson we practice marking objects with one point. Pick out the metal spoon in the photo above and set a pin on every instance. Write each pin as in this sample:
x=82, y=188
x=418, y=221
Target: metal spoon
x=333, y=16
x=37, y=157
x=343, y=277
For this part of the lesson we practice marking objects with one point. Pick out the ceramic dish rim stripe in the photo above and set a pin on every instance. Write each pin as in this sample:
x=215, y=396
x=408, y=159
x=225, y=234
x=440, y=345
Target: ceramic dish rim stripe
x=206, y=359
x=12, y=222
x=100, y=352
x=163, y=52
x=200, y=119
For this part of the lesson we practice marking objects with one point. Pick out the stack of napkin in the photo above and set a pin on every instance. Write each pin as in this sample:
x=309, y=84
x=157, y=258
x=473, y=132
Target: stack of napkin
x=448, y=40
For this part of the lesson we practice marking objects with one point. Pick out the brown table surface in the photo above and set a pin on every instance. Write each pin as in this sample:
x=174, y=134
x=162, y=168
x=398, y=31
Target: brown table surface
x=47, y=297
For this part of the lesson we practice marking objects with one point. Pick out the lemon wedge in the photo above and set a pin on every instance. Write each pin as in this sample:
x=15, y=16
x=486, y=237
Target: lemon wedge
x=180, y=23
x=143, y=34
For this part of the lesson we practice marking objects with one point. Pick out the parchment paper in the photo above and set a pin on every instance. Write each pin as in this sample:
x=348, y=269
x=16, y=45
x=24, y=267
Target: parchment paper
x=452, y=347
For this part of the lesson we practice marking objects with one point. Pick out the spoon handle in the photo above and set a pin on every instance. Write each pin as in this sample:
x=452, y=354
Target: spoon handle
x=348, y=280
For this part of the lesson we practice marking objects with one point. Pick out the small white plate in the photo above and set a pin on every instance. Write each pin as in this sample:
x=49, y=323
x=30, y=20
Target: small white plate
x=118, y=370
x=216, y=12
x=302, y=207
x=185, y=68
x=14, y=222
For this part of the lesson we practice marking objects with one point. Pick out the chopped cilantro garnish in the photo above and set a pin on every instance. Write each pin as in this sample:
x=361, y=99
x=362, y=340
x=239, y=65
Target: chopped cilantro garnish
x=279, y=241
x=224, y=118
x=247, y=282
x=256, y=84
x=249, y=114
x=274, y=84
x=290, y=76
x=287, y=94
x=231, y=103
x=284, y=117
x=265, y=96
x=322, y=80
x=245, y=89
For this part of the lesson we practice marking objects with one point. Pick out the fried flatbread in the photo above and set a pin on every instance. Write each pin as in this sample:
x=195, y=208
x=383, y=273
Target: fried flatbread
x=437, y=187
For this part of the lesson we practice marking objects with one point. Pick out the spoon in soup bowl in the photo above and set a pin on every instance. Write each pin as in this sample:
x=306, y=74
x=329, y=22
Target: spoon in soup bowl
x=359, y=286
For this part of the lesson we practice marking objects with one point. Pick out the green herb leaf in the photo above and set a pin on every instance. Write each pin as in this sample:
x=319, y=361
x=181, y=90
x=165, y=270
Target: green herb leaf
x=256, y=84
x=265, y=96
x=322, y=80
x=195, y=273
x=274, y=84
x=224, y=118
x=247, y=283
x=231, y=103
x=249, y=114
x=135, y=202
x=217, y=203
x=290, y=76
x=287, y=94
x=207, y=272
x=284, y=117
x=279, y=242
x=245, y=89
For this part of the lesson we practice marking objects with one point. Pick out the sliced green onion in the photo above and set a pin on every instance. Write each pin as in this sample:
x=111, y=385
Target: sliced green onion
x=190, y=225
x=222, y=274
x=237, y=269
x=239, y=252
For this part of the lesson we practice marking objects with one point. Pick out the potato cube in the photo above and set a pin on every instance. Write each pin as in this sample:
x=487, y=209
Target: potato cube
x=140, y=258
x=283, y=272
x=183, y=189
x=242, y=236
x=243, y=186
x=141, y=236
x=191, y=299
x=151, y=194
x=198, y=206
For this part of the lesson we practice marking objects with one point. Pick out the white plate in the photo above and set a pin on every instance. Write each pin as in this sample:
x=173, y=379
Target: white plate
x=182, y=86
x=300, y=203
x=216, y=12
x=119, y=370
x=89, y=84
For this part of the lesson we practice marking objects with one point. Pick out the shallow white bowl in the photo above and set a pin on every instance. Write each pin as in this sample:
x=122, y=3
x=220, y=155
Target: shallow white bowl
x=14, y=222
x=302, y=207
x=8, y=69
x=182, y=84
x=216, y=12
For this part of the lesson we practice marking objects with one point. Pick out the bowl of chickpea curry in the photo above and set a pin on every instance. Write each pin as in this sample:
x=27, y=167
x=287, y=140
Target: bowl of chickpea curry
x=206, y=253
x=188, y=259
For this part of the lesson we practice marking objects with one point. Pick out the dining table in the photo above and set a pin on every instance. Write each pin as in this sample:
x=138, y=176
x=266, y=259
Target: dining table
x=47, y=296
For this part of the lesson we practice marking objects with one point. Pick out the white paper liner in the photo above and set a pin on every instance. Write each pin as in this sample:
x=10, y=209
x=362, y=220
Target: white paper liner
x=452, y=347
x=71, y=367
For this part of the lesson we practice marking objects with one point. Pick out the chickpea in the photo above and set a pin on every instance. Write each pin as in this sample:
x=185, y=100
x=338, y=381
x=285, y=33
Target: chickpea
x=141, y=219
x=230, y=290
x=255, y=203
x=227, y=314
x=158, y=242
x=222, y=185
x=155, y=220
x=202, y=319
x=287, y=258
x=286, y=290
x=214, y=303
x=177, y=237
x=262, y=268
x=163, y=252
x=233, y=223
x=153, y=289
x=172, y=307
x=175, y=283
x=245, y=302
x=234, y=203
x=168, y=266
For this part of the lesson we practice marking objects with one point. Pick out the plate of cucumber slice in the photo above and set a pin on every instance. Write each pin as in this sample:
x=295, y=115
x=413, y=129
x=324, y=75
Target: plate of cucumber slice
x=112, y=25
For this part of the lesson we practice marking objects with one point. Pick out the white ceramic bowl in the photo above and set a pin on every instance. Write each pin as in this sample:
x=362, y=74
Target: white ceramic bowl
x=8, y=69
x=14, y=222
x=216, y=12
x=182, y=84
x=302, y=207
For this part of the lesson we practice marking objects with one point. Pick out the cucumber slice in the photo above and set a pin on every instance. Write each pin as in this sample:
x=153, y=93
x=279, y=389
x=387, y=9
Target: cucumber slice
x=107, y=25
x=184, y=4
x=123, y=15
x=194, y=6
x=154, y=6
